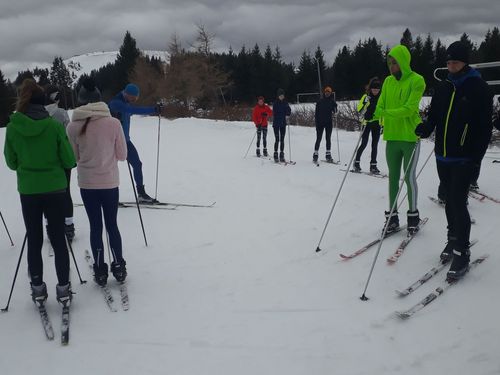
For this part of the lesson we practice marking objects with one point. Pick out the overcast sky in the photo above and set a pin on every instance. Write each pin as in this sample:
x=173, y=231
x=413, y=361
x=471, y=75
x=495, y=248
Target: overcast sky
x=33, y=31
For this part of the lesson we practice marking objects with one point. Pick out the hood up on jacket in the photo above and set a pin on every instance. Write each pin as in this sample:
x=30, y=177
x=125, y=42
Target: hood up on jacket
x=401, y=54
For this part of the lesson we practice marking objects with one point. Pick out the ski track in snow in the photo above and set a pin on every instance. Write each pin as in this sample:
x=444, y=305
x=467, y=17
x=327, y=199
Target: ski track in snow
x=239, y=289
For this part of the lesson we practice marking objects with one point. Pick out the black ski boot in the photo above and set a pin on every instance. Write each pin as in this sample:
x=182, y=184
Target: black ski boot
x=64, y=294
x=119, y=270
x=101, y=274
x=328, y=157
x=276, y=159
x=315, y=157
x=39, y=293
x=356, y=167
x=282, y=157
x=392, y=222
x=447, y=253
x=459, y=265
x=142, y=197
x=413, y=221
x=69, y=230
x=473, y=186
x=265, y=153
x=257, y=152
x=374, y=169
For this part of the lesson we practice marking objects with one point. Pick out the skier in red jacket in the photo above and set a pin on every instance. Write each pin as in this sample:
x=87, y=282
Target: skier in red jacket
x=260, y=114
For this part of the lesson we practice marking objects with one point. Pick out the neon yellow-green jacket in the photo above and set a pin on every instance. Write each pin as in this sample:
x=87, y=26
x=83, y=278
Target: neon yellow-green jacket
x=398, y=105
x=363, y=105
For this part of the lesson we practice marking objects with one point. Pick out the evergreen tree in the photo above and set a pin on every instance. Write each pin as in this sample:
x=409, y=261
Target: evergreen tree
x=61, y=77
x=471, y=47
x=428, y=62
x=306, y=74
x=7, y=100
x=125, y=62
x=489, y=50
x=407, y=39
x=439, y=55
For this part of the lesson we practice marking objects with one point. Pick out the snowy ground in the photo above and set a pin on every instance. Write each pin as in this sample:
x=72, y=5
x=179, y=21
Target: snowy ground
x=239, y=289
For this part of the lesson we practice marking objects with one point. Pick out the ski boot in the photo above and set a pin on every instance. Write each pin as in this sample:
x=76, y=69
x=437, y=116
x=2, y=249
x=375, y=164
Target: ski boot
x=374, y=169
x=473, y=186
x=413, y=222
x=119, y=270
x=328, y=157
x=315, y=157
x=69, y=230
x=39, y=293
x=356, y=166
x=459, y=265
x=257, y=152
x=276, y=160
x=64, y=295
x=142, y=197
x=265, y=153
x=391, y=221
x=282, y=157
x=447, y=253
x=101, y=274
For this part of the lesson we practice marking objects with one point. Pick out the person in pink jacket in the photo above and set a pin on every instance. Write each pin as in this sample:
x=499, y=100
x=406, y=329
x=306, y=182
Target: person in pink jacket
x=99, y=143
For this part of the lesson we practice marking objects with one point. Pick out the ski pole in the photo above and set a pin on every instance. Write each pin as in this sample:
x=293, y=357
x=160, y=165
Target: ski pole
x=289, y=145
x=250, y=145
x=6, y=229
x=157, y=156
x=6, y=308
x=393, y=209
x=137, y=203
x=318, y=249
x=337, y=131
x=74, y=260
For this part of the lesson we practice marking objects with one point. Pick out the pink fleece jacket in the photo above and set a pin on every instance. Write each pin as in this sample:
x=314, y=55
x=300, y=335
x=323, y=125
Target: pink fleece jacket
x=99, y=149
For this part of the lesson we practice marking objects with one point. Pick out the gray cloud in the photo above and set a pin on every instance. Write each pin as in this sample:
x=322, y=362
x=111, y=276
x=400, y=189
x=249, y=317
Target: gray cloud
x=33, y=32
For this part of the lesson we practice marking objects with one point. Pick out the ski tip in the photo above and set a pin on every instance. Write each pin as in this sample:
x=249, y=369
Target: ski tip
x=343, y=256
x=401, y=294
x=402, y=315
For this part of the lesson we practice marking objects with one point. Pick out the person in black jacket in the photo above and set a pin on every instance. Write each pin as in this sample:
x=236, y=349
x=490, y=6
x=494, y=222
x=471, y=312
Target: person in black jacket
x=281, y=109
x=325, y=108
x=460, y=113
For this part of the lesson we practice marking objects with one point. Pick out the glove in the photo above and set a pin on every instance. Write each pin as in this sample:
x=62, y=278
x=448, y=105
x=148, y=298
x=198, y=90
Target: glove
x=420, y=131
x=264, y=114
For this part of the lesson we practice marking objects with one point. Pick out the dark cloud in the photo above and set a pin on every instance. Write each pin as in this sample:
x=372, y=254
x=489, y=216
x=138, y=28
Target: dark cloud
x=33, y=32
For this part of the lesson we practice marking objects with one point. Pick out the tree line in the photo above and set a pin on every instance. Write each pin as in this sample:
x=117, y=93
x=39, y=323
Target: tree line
x=196, y=77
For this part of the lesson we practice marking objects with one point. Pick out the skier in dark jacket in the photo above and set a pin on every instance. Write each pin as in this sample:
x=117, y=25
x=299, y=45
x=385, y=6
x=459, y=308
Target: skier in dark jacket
x=460, y=114
x=281, y=109
x=325, y=108
x=121, y=108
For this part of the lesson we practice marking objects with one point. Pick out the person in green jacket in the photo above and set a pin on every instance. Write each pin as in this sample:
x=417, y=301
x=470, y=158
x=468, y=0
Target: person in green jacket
x=37, y=148
x=398, y=109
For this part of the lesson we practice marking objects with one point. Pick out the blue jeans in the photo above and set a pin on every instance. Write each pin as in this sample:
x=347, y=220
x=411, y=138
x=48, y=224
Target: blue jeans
x=99, y=202
x=135, y=162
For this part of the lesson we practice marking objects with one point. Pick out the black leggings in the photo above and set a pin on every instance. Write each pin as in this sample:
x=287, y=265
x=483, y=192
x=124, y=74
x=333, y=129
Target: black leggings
x=262, y=130
x=52, y=205
x=68, y=207
x=328, y=136
x=279, y=138
x=374, y=129
x=454, y=180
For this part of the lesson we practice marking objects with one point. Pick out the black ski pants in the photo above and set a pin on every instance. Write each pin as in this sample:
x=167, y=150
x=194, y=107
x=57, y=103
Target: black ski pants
x=372, y=128
x=455, y=179
x=262, y=132
x=328, y=136
x=34, y=206
x=279, y=138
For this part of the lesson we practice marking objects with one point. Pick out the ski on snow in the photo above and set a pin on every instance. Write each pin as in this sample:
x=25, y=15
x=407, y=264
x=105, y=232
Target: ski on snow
x=46, y=324
x=167, y=205
x=480, y=196
x=330, y=162
x=377, y=175
x=108, y=297
x=65, y=325
x=426, y=277
x=368, y=246
x=406, y=314
x=402, y=246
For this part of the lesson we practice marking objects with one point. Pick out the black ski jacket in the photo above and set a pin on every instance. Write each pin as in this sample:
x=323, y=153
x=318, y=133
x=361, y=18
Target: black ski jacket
x=325, y=107
x=461, y=113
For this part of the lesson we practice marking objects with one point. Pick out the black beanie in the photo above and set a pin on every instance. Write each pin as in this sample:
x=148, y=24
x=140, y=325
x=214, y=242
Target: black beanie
x=375, y=84
x=38, y=97
x=88, y=93
x=280, y=92
x=457, y=51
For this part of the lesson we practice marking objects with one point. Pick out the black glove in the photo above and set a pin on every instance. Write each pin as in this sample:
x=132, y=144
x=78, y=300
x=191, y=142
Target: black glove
x=264, y=114
x=421, y=131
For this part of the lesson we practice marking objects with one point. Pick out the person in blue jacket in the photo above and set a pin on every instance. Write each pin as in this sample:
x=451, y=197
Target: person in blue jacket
x=281, y=109
x=121, y=107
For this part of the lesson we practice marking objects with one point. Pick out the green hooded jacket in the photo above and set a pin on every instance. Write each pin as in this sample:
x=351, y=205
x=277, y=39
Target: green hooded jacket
x=398, y=105
x=39, y=151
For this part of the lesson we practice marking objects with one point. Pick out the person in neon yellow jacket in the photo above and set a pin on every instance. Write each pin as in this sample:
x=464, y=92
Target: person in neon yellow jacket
x=398, y=109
